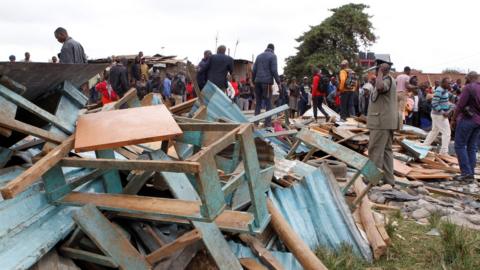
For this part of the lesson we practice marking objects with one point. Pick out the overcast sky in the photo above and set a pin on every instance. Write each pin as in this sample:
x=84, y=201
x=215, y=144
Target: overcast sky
x=427, y=35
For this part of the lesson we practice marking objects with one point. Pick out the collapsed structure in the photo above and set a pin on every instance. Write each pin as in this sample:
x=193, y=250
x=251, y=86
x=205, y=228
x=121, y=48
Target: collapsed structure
x=137, y=185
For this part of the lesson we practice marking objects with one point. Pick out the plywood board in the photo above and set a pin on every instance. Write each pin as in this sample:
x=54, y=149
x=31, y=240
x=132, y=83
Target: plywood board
x=111, y=129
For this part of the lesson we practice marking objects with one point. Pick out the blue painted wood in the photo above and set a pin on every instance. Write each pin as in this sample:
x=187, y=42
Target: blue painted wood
x=269, y=113
x=212, y=237
x=109, y=239
x=5, y=155
x=252, y=174
x=417, y=150
x=55, y=184
x=9, y=173
x=29, y=106
x=340, y=152
x=111, y=178
x=74, y=94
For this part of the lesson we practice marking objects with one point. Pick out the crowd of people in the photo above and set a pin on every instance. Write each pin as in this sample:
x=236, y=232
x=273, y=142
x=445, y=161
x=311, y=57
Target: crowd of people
x=446, y=107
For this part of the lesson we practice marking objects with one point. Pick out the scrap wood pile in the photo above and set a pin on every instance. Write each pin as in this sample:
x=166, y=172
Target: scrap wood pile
x=137, y=185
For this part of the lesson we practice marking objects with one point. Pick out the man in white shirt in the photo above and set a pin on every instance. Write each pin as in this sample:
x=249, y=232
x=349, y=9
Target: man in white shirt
x=403, y=86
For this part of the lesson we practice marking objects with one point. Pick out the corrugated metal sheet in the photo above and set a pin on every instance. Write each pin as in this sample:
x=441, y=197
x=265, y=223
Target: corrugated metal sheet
x=317, y=211
x=287, y=259
x=30, y=226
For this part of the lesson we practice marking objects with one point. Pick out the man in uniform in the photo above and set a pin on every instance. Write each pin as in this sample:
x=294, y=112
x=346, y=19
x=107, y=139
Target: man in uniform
x=382, y=120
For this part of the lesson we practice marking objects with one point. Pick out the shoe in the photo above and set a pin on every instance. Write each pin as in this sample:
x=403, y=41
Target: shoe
x=464, y=178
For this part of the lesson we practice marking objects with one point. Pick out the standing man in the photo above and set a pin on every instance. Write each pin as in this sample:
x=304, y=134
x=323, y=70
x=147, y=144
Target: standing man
x=264, y=72
x=346, y=87
x=217, y=68
x=144, y=68
x=201, y=74
x=403, y=86
x=119, y=76
x=382, y=120
x=320, y=85
x=72, y=51
x=27, y=58
x=136, y=74
x=467, y=132
x=54, y=59
x=12, y=58
x=364, y=94
x=167, y=86
x=441, y=109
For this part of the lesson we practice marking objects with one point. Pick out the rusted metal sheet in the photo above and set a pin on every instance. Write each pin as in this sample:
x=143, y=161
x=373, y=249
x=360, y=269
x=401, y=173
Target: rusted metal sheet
x=41, y=78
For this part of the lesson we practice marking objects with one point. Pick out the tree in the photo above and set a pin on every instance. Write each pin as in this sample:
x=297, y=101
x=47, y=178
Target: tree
x=452, y=71
x=338, y=37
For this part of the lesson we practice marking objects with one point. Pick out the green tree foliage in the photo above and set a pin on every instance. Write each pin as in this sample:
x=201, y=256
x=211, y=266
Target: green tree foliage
x=338, y=37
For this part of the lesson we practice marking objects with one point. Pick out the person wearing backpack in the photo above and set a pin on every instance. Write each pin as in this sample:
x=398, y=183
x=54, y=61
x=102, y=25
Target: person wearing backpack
x=467, y=130
x=320, y=85
x=347, y=85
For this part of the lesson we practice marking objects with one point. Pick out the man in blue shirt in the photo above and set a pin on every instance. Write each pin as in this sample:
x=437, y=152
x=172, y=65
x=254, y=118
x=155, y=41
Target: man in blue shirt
x=167, y=86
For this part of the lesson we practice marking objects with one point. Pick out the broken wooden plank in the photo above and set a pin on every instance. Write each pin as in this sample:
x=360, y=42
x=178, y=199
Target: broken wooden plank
x=31, y=130
x=374, y=237
x=34, y=173
x=230, y=221
x=261, y=252
x=112, y=242
x=147, y=165
x=400, y=168
x=7, y=111
x=183, y=107
x=422, y=176
x=78, y=254
x=269, y=113
x=172, y=247
x=280, y=133
x=112, y=129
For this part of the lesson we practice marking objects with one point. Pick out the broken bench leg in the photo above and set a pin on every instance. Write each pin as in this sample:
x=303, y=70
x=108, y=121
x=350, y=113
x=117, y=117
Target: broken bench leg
x=172, y=247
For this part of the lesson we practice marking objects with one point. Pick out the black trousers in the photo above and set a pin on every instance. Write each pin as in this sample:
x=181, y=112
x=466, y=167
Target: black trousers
x=347, y=107
x=317, y=104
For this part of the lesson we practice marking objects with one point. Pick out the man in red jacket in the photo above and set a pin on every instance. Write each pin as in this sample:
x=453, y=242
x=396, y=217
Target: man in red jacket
x=319, y=91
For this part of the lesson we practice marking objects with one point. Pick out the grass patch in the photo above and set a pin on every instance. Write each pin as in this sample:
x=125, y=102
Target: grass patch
x=434, y=219
x=455, y=249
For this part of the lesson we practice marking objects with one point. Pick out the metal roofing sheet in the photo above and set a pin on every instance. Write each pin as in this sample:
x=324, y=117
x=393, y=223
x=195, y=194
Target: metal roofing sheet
x=317, y=211
x=286, y=259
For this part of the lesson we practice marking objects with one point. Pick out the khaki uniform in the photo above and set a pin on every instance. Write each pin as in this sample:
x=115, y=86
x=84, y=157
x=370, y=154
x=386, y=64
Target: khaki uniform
x=383, y=119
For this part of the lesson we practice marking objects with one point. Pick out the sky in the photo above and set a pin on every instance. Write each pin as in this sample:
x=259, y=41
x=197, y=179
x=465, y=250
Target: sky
x=425, y=35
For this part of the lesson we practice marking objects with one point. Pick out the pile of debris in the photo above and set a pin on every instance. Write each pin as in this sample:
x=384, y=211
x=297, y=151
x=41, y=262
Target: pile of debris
x=137, y=185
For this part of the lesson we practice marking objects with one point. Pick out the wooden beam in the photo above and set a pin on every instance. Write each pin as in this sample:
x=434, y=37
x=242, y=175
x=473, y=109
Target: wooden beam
x=280, y=133
x=31, y=130
x=109, y=239
x=183, y=107
x=32, y=174
x=146, y=165
x=261, y=252
x=32, y=108
x=269, y=113
x=228, y=220
x=87, y=256
x=172, y=247
x=207, y=126
x=292, y=241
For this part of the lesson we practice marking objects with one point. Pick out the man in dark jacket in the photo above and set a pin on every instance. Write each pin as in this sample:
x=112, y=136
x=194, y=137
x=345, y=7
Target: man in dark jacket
x=264, y=72
x=217, y=68
x=201, y=75
x=136, y=69
x=72, y=51
x=119, y=77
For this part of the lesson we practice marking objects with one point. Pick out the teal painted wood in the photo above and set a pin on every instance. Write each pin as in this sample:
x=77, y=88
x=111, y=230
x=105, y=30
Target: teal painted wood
x=54, y=183
x=191, y=137
x=252, y=174
x=32, y=108
x=417, y=150
x=340, y=152
x=74, y=94
x=109, y=239
x=9, y=173
x=269, y=113
x=5, y=155
x=30, y=226
x=209, y=188
x=111, y=179
x=212, y=237
x=83, y=255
